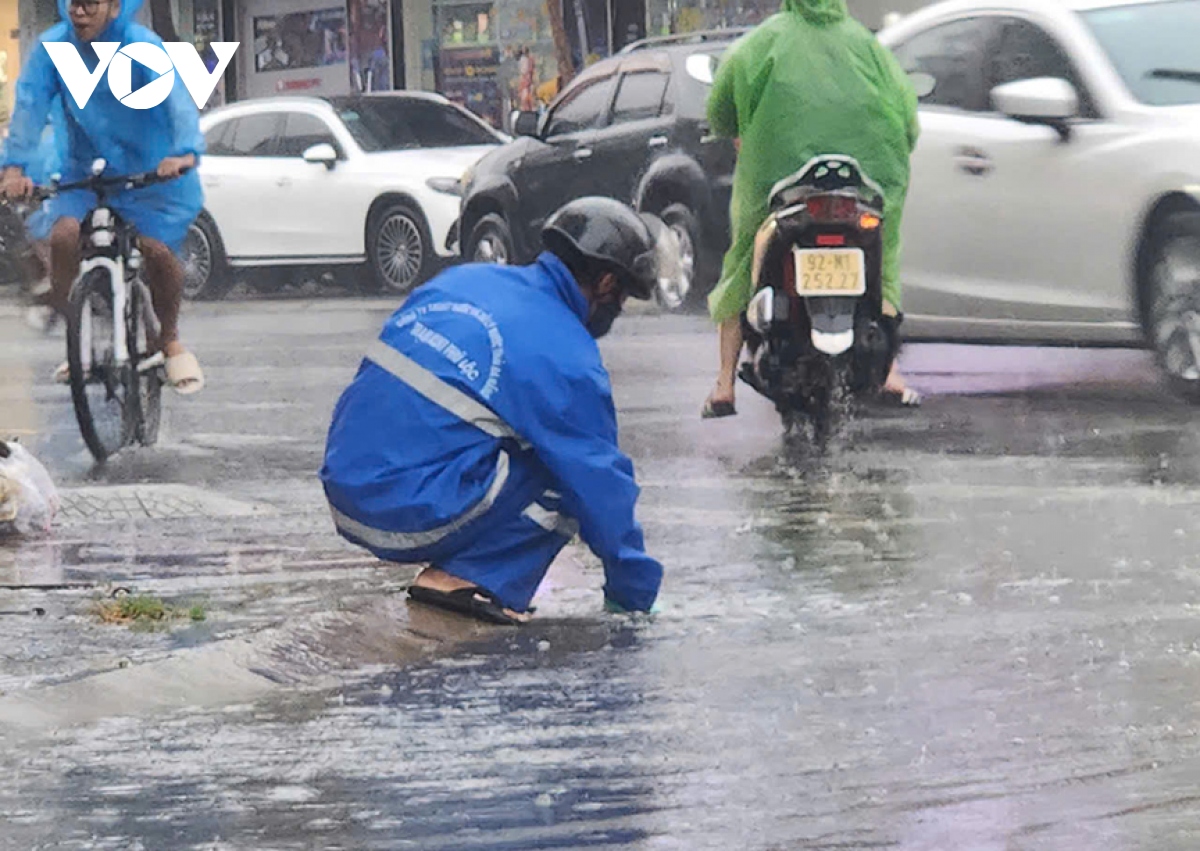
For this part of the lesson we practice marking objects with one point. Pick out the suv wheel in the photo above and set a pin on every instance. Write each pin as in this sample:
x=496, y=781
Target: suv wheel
x=682, y=223
x=206, y=273
x=491, y=241
x=1173, y=300
x=399, y=248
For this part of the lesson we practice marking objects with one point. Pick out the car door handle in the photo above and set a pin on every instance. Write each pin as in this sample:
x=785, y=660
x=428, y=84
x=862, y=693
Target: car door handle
x=583, y=154
x=659, y=142
x=974, y=162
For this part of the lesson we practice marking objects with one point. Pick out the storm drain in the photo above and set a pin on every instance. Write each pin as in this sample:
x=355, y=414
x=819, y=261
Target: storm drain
x=151, y=502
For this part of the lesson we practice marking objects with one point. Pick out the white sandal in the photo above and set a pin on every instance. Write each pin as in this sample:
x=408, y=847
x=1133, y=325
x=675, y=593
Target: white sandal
x=184, y=374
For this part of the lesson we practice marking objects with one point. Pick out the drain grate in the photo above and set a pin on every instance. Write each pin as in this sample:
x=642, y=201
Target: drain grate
x=151, y=502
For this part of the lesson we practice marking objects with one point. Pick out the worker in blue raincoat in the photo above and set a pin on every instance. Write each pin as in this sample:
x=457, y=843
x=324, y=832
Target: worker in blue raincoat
x=165, y=139
x=480, y=434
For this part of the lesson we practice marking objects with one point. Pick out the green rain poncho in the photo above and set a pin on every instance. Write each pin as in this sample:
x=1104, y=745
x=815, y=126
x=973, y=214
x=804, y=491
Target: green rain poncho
x=809, y=81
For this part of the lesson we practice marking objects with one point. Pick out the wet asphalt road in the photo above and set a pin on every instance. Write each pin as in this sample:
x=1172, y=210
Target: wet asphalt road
x=968, y=627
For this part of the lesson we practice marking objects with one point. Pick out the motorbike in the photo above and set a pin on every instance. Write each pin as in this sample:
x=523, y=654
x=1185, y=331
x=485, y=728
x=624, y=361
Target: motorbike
x=817, y=331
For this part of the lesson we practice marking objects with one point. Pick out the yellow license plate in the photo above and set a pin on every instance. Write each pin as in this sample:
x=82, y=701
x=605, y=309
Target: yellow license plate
x=830, y=272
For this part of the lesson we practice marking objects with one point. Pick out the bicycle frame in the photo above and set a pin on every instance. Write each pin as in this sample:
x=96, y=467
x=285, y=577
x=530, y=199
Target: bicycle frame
x=120, y=296
x=111, y=265
x=105, y=249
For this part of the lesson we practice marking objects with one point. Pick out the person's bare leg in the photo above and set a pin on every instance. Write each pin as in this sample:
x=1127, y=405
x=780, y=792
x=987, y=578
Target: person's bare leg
x=897, y=387
x=64, y=262
x=440, y=580
x=165, y=276
x=895, y=381
x=729, y=337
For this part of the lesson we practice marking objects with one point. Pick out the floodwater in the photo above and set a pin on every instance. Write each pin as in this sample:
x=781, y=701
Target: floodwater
x=971, y=626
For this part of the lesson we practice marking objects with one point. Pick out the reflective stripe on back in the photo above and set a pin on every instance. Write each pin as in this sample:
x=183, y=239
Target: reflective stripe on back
x=440, y=393
x=383, y=540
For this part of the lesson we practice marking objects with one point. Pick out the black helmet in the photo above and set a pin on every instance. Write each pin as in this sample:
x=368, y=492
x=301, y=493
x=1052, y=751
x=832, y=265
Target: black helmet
x=612, y=235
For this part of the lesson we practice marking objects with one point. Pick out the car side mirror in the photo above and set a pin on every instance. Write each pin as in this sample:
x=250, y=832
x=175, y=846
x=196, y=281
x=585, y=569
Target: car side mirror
x=923, y=84
x=1049, y=101
x=526, y=123
x=324, y=154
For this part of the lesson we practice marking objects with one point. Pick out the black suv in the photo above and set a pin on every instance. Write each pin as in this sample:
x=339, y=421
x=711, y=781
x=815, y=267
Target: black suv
x=631, y=127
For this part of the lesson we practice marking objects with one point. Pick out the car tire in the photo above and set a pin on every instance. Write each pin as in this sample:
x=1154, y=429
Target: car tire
x=1172, y=300
x=682, y=221
x=399, y=248
x=491, y=242
x=207, y=275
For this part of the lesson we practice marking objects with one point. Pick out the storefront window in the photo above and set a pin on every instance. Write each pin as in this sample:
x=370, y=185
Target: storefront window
x=370, y=46
x=493, y=58
x=300, y=40
x=676, y=17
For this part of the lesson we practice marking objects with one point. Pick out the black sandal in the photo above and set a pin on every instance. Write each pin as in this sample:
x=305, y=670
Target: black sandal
x=473, y=602
x=717, y=410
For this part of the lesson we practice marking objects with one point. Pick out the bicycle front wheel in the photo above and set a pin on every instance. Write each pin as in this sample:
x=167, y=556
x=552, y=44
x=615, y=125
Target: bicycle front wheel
x=100, y=387
x=143, y=340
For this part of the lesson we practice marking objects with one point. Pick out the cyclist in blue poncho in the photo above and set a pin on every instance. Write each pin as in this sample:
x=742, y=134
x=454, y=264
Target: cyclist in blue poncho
x=165, y=139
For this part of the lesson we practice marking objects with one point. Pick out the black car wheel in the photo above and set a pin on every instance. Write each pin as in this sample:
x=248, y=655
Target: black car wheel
x=676, y=295
x=1173, y=301
x=206, y=273
x=399, y=248
x=491, y=241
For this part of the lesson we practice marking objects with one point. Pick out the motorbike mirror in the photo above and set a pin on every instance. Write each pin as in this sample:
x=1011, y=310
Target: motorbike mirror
x=322, y=154
x=702, y=67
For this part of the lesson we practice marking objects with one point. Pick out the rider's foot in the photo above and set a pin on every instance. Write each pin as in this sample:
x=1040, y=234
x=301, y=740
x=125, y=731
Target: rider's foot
x=897, y=389
x=183, y=370
x=719, y=404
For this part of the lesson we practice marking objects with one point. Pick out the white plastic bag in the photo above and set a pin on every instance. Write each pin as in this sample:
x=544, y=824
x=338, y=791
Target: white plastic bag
x=28, y=498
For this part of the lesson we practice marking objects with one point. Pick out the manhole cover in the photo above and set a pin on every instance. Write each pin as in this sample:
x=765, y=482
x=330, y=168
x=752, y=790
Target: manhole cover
x=151, y=502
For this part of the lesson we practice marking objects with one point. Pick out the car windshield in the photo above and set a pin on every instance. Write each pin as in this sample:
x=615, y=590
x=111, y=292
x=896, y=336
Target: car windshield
x=397, y=124
x=1154, y=48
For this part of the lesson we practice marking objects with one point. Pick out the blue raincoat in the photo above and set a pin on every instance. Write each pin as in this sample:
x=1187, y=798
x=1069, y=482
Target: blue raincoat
x=47, y=162
x=480, y=433
x=130, y=140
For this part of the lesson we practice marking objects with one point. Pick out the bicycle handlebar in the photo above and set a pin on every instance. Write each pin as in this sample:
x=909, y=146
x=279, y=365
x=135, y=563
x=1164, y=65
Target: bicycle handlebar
x=98, y=183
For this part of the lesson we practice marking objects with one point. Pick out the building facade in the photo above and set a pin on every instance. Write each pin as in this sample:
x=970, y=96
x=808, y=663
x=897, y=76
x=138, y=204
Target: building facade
x=492, y=56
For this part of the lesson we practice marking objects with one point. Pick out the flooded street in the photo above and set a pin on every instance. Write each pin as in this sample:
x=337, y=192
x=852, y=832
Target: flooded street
x=970, y=627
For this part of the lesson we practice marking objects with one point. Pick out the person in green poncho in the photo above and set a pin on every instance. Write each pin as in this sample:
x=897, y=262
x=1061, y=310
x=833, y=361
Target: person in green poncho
x=809, y=81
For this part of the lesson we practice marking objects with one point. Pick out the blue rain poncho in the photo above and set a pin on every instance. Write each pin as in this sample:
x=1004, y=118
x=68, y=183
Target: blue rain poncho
x=130, y=140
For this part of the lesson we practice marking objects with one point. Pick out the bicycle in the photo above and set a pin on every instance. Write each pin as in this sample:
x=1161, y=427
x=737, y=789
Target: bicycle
x=116, y=371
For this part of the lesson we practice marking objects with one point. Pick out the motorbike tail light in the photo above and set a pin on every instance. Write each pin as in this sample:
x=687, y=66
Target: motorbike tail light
x=869, y=221
x=830, y=240
x=832, y=208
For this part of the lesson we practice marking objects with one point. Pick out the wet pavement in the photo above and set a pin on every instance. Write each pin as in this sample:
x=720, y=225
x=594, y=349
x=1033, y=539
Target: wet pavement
x=972, y=626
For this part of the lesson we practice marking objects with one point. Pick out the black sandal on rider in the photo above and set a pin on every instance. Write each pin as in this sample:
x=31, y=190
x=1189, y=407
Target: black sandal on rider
x=714, y=410
x=472, y=602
